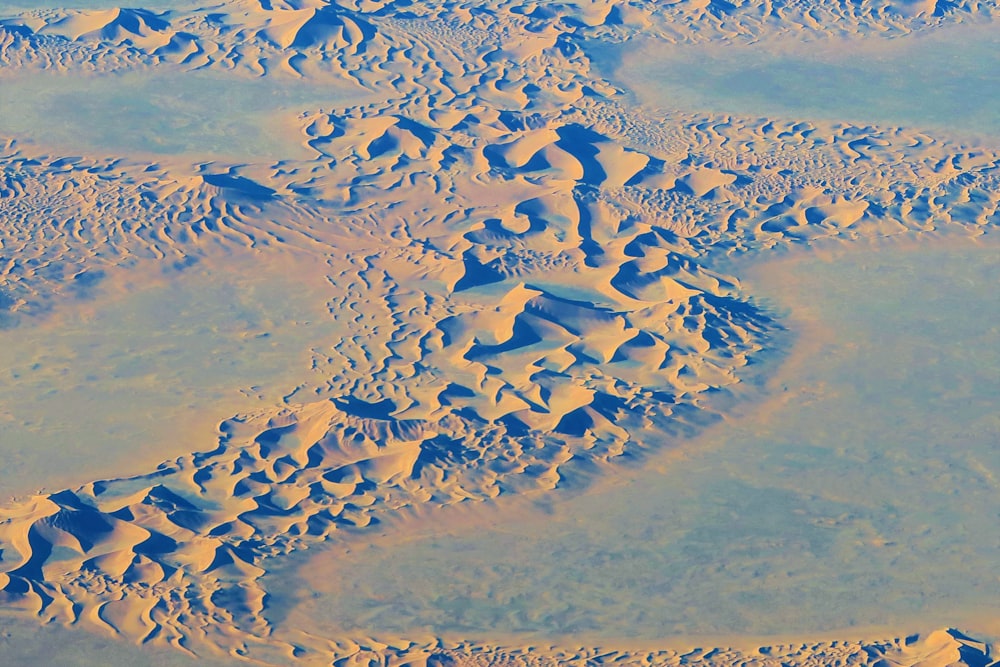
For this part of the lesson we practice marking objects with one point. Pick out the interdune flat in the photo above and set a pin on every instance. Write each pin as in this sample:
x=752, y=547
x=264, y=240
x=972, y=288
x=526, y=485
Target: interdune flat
x=346, y=332
x=183, y=350
x=196, y=115
x=818, y=489
x=943, y=81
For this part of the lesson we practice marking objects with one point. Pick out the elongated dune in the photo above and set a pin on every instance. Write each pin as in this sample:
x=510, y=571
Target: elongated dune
x=517, y=259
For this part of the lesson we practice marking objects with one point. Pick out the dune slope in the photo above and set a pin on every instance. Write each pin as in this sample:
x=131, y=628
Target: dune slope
x=518, y=265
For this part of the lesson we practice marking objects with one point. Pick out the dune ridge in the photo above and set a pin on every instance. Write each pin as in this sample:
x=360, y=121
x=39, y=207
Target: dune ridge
x=349, y=39
x=519, y=264
x=938, y=648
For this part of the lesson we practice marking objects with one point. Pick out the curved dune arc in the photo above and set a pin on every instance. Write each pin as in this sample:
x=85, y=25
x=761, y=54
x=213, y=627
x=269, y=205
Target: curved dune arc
x=516, y=260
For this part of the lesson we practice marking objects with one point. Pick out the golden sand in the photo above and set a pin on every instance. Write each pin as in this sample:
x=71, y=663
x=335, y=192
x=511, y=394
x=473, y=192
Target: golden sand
x=515, y=264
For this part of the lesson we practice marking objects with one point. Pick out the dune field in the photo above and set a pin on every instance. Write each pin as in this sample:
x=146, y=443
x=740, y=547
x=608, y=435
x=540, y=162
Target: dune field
x=499, y=332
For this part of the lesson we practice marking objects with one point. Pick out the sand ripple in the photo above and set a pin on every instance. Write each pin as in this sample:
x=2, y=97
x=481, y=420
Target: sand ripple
x=519, y=266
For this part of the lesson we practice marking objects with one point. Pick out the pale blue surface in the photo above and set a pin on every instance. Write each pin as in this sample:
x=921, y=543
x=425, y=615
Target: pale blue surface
x=167, y=113
x=868, y=498
x=117, y=383
x=946, y=80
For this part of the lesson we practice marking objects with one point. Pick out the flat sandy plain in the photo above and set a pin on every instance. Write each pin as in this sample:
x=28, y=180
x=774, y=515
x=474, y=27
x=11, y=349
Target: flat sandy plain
x=499, y=332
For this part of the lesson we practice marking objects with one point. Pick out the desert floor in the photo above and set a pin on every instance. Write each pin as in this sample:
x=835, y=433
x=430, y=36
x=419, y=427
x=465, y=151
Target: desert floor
x=502, y=332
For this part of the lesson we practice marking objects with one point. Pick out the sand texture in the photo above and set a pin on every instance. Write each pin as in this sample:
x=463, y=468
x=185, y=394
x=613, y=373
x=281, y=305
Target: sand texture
x=512, y=254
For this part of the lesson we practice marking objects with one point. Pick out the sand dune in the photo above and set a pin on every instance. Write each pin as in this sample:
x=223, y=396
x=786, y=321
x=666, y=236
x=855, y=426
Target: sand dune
x=940, y=648
x=518, y=266
x=139, y=27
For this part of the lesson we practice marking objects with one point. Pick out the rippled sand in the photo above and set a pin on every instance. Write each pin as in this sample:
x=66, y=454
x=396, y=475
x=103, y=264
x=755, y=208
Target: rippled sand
x=298, y=298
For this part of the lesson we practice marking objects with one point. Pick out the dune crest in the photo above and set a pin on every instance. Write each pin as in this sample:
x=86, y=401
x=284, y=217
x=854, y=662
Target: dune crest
x=519, y=268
